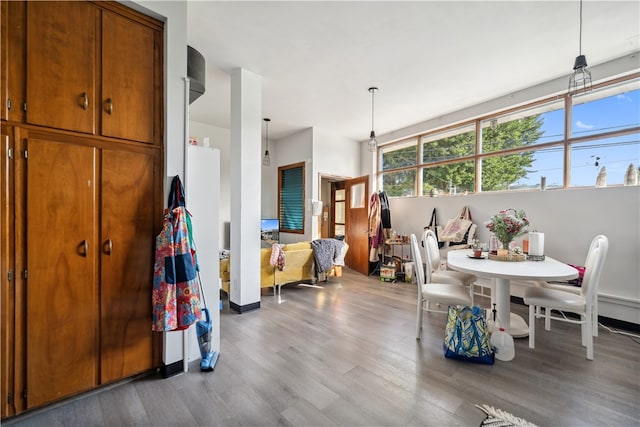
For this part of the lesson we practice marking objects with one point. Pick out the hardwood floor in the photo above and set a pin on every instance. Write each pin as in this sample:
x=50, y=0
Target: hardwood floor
x=345, y=354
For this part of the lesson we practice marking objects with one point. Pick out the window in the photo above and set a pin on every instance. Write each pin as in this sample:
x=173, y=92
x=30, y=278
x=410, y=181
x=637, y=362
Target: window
x=562, y=141
x=339, y=210
x=291, y=198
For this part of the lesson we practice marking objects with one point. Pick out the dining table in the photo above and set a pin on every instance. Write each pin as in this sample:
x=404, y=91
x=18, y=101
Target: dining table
x=501, y=273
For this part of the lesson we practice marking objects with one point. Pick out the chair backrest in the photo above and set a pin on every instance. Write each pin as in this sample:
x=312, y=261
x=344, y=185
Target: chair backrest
x=417, y=262
x=593, y=266
x=432, y=251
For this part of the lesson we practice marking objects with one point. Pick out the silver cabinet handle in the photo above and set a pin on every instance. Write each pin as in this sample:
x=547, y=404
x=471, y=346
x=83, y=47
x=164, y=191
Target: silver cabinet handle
x=83, y=248
x=108, y=246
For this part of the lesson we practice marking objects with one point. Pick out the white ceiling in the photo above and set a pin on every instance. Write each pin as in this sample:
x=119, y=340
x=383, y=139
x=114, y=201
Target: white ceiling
x=317, y=59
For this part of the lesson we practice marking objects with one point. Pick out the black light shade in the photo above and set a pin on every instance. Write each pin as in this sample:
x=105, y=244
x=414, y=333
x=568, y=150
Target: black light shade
x=580, y=79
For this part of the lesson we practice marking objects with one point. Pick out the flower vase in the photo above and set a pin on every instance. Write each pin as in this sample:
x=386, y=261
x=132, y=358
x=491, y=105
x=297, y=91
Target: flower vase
x=505, y=244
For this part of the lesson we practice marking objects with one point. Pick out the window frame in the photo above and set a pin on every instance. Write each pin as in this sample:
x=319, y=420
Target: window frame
x=565, y=142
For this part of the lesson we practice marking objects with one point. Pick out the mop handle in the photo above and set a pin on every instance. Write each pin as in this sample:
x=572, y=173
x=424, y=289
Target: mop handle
x=201, y=289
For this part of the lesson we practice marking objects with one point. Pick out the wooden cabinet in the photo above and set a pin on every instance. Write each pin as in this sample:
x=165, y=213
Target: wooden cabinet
x=91, y=217
x=81, y=197
x=92, y=70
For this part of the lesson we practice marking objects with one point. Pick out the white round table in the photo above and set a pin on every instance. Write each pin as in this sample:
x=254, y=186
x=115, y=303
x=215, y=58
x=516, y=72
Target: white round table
x=504, y=271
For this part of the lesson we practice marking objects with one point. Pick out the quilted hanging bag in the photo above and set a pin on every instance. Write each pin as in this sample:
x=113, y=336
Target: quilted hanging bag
x=467, y=336
x=175, y=294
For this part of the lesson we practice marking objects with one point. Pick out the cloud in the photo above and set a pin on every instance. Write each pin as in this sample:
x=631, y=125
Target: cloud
x=583, y=125
x=623, y=97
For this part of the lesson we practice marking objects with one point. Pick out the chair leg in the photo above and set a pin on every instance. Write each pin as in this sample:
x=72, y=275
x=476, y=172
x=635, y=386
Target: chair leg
x=594, y=314
x=532, y=326
x=588, y=333
x=419, y=320
x=547, y=319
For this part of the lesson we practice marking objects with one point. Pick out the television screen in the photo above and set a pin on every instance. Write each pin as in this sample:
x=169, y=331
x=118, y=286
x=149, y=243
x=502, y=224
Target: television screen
x=269, y=225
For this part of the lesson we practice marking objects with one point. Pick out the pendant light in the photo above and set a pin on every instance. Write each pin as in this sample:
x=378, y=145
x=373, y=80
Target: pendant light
x=373, y=143
x=580, y=80
x=266, y=161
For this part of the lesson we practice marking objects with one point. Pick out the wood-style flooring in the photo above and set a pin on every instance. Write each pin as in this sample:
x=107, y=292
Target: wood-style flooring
x=345, y=354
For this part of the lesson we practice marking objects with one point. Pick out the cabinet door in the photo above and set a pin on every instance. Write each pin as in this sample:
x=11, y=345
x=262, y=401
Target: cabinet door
x=12, y=59
x=128, y=58
x=61, y=64
x=62, y=305
x=127, y=236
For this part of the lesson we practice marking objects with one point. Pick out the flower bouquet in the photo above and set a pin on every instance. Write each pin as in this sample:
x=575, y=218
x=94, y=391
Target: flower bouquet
x=507, y=225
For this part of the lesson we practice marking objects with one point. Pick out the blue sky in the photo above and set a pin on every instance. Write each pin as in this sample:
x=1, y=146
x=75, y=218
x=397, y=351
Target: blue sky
x=615, y=154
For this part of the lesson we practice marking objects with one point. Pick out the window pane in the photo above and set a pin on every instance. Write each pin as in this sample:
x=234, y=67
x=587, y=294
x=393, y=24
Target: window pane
x=339, y=230
x=538, y=125
x=340, y=194
x=399, y=184
x=357, y=196
x=451, y=144
x=400, y=155
x=606, y=110
x=451, y=179
x=340, y=212
x=523, y=170
x=613, y=154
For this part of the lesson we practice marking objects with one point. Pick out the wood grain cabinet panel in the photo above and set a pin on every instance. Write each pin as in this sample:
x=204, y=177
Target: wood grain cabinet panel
x=127, y=231
x=62, y=296
x=127, y=79
x=61, y=65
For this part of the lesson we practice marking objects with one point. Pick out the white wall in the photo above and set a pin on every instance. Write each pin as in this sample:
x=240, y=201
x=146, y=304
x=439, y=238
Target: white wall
x=292, y=149
x=569, y=219
x=333, y=155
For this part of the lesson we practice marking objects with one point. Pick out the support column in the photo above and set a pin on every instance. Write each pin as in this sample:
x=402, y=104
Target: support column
x=246, y=138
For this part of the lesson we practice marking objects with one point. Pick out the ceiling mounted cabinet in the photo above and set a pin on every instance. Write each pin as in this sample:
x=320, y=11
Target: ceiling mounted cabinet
x=91, y=70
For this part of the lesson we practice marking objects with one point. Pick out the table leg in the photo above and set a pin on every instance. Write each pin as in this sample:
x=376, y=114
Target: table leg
x=512, y=323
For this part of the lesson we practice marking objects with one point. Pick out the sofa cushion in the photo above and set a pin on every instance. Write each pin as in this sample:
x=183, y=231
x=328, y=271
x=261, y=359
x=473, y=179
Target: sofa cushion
x=297, y=246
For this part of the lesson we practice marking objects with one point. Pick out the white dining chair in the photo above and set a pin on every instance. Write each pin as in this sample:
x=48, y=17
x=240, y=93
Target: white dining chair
x=435, y=273
x=442, y=293
x=562, y=300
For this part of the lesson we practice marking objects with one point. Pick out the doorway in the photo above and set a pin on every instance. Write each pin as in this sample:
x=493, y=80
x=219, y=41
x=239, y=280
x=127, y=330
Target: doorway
x=345, y=215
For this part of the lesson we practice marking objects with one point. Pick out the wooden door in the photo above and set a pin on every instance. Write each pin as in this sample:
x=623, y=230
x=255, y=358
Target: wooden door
x=61, y=64
x=128, y=58
x=127, y=244
x=357, y=224
x=62, y=304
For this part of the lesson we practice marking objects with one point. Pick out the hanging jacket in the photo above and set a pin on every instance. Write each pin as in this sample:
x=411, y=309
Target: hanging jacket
x=385, y=211
x=175, y=294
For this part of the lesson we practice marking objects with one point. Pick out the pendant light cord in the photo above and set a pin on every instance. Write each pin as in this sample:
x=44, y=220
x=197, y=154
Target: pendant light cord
x=372, y=107
x=580, y=38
